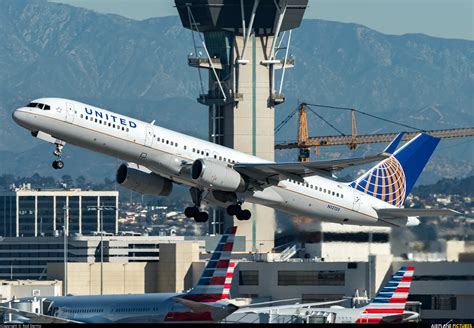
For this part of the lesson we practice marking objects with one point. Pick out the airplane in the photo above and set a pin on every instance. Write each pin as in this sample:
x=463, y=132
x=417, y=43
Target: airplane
x=157, y=158
x=206, y=302
x=388, y=306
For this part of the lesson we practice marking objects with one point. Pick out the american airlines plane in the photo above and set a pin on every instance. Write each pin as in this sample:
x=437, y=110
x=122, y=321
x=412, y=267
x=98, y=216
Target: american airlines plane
x=388, y=306
x=206, y=302
x=157, y=158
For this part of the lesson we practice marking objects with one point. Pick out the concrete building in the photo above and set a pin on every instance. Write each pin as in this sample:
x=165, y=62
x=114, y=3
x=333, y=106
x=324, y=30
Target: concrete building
x=26, y=288
x=177, y=270
x=31, y=212
x=238, y=48
x=336, y=242
x=27, y=257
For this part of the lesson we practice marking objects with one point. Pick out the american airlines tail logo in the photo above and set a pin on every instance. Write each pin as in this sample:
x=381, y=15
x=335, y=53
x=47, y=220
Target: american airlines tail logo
x=386, y=182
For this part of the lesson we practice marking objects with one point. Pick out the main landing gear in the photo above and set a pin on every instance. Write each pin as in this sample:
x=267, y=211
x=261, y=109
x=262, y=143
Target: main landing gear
x=58, y=163
x=194, y=211
x=242, y=215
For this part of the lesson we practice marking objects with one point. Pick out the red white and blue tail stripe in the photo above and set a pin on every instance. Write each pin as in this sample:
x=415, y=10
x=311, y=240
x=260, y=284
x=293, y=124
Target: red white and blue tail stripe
x=214, y=284
x=390, y=301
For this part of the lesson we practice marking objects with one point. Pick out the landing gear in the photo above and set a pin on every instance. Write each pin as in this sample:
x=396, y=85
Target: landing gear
x=58, y=163
x=194, y=211
x=236, y=209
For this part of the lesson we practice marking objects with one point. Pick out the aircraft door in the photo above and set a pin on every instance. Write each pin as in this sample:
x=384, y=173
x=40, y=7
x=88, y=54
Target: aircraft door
x=69, y=112
x=149, y=136
x=357, y=201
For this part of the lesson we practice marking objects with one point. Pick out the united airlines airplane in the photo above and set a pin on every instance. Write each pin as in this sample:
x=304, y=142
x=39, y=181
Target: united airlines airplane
x=157, y=158
x=206, y=302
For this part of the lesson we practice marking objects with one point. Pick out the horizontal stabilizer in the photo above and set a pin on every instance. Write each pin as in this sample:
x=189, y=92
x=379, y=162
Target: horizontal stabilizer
x=394, y=144
x=406, y=212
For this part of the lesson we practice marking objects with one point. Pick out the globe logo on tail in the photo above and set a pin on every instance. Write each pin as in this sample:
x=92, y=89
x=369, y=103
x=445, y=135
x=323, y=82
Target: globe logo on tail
x=386, y=182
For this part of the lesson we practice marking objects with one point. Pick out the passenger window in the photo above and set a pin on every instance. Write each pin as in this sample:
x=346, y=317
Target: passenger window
x=176, y=144
x=96, y=120
x=82, y=115
x=110, y=124
x=215, y=156
x=113, y=125
x=207, y=154
x=171, y=143
x=184, y=147
x=194, y=150
x=333, y=193
x=100, y=121
x=167, y=142
x=311, y=186
x=220, y=158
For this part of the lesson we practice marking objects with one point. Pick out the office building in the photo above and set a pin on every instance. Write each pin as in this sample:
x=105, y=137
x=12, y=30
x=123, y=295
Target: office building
x=27, y=212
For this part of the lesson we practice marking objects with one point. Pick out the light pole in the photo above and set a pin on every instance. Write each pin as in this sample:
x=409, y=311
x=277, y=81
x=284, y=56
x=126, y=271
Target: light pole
x=65, y=260
x=65, y=240
x=101, y=208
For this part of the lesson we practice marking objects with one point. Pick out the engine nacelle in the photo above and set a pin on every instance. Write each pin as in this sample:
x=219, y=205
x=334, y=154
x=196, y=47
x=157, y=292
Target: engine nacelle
x=214, y=175
x=143, y=182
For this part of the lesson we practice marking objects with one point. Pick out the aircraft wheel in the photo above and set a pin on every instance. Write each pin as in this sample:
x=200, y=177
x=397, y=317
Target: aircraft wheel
x=201, y=217
x=191, y=211
x=60, y=164
x=233, y=210
x=244, y=215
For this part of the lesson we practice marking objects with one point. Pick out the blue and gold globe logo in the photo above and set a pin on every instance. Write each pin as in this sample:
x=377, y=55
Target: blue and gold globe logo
x=386, y=182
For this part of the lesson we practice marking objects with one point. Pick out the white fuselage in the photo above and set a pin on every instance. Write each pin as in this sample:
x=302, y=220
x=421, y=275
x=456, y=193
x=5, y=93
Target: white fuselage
x=167, y=152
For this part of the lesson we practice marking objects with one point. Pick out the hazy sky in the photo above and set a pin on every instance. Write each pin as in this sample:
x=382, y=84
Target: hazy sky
x=442, y=18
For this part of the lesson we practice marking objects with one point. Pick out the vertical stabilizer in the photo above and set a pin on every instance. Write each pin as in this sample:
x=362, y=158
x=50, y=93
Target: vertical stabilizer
x=389, y=303
x=392, y=179
x=214, y=284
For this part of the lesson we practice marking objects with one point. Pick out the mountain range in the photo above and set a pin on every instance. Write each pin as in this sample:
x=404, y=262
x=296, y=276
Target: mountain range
x=139, y=68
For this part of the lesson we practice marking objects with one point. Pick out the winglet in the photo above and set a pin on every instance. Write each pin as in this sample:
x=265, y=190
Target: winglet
x=394, y=144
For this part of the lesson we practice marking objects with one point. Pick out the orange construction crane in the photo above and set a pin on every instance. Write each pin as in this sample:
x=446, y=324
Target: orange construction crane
x=305, y=142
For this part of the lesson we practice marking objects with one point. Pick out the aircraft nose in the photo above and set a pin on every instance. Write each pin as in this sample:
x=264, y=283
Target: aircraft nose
x=20, y=116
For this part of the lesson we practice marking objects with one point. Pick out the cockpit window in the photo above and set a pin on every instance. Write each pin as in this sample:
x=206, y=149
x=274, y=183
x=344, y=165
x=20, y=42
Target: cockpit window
x=38, y=105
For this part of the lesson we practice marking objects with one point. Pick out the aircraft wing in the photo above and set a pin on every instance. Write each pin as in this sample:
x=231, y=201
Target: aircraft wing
x=264, y=172
x=297, y=171
x=36, y=317
x=259, y=309
x=406, y=212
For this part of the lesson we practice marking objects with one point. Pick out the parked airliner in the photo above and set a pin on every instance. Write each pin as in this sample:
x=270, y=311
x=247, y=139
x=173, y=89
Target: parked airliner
x=206, y=302
x=388, y=306
x=220, y=176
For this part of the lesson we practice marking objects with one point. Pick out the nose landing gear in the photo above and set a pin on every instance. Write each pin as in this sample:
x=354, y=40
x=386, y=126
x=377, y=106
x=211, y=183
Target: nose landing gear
x=58, y=163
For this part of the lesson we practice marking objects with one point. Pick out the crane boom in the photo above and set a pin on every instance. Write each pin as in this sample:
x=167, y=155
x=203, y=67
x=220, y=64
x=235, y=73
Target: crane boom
x=348, y=140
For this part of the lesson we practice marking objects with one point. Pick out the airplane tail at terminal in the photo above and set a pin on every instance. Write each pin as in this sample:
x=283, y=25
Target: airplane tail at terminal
x=214, y=284
x=389, y=303
x=392, y=179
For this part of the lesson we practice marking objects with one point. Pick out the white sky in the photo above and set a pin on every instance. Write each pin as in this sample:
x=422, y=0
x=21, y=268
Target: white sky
x=441, y=18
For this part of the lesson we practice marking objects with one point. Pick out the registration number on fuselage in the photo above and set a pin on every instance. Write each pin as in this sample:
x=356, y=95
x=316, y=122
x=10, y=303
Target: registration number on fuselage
x=334, y=208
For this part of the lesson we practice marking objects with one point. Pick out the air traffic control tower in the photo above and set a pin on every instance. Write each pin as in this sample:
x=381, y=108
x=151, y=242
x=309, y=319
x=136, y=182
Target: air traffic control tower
x=241, y=44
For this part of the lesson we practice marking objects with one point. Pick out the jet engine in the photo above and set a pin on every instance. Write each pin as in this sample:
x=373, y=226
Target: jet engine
x=215, y=175
x=143, y=182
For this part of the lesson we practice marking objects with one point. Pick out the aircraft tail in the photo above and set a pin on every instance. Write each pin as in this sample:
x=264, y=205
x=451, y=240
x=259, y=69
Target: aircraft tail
x=392, y=179
x=214, y=284
x=389, y=303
